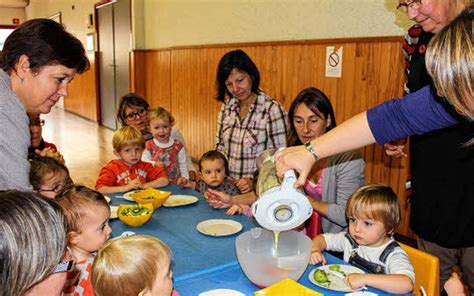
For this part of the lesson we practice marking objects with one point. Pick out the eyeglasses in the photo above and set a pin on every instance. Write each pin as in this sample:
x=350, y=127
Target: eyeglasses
x=58, y=187
x=414, y=4
x=135, y=115
x=37, y=122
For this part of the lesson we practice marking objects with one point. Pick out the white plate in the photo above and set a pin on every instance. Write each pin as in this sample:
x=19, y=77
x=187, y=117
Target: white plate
x=221, y=292
x=335, y=283
x=180, y=200
x=124, y=234
x=113, y=212
x=362, y=293
x=219, y=227
x=128, y=195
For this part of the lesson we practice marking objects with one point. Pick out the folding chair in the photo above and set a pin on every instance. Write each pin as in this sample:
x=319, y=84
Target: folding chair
x=426, y=271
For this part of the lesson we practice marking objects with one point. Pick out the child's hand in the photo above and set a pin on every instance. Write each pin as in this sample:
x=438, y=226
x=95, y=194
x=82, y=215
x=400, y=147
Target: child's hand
x=356, y=280
x=395, y=150
x=49, y=152
x=214, y=202
x=193, y=176
x=191, y=184
x=245, y=185
x=159, y=163
x=218, y=199
x=182, y=181
x=134, y=184
x=234, y=209
x=317, y=257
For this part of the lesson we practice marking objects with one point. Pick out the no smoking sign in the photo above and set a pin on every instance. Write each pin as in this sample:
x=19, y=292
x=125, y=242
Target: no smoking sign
x=333, y=61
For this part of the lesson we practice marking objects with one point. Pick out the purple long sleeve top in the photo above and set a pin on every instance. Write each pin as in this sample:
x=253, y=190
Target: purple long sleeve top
x=414, y=114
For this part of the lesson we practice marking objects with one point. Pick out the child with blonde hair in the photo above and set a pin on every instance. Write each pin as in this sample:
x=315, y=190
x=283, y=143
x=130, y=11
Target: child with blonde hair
x=373, y=213
x=87, y=214
x=164, y=150
x=145, y=271
x=48, y=176
x=129, y=172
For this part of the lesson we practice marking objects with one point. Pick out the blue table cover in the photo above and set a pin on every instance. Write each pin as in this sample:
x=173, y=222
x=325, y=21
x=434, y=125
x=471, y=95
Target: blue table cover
x=202, y=263
x=231, y=276
x=176, y=226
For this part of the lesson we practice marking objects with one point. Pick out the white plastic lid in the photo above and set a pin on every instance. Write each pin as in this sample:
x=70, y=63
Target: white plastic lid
x=282, y=209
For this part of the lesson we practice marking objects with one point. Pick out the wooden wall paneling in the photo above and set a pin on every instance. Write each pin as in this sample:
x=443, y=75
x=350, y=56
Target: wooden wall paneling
x=360, y=95
x=269, y=60
x=373, y=79
x=268, y=65
x=183, y=70
x=158, y=83
x=347, y=87
x=82, y=99
x=133, y=70
x=138, y=70
x=193, y=92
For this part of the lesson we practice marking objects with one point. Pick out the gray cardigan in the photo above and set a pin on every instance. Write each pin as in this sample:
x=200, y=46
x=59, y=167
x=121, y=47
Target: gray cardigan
x=14, y=139
x=342, y=176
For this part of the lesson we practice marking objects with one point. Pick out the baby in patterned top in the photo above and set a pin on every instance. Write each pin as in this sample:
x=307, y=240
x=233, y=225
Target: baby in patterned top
x=87, y=214
x=213, y=170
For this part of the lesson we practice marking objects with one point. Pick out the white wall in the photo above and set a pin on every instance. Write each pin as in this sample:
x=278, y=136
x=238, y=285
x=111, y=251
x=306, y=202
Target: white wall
x=75, y=19
x=7, y=14
x=166, y=23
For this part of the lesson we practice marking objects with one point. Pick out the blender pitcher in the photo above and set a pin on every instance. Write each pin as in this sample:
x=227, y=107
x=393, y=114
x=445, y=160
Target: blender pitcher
x=279, y=206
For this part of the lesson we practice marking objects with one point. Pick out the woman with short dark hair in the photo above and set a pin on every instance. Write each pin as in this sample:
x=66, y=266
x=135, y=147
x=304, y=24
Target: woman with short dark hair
x=249, y=121
x=38, y=60
x=133, y=110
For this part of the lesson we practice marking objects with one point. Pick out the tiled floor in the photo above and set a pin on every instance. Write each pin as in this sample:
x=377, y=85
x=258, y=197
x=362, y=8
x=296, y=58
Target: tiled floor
x=85, y=145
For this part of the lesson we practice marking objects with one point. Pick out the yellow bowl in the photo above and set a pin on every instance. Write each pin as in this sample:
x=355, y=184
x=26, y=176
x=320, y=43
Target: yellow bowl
x=287, y=287
x=151, y=195
x=135, y=215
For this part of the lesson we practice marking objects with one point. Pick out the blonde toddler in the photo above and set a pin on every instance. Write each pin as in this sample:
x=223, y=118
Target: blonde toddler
x=373, y=213
x=129, y=172
x=164, y=150
x=145, y=271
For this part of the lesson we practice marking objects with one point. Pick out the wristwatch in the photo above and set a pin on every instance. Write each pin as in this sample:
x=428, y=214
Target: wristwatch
x=310, y=148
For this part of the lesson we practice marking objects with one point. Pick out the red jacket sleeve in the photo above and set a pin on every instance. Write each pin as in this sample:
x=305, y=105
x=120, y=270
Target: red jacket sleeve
x=107, y=177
